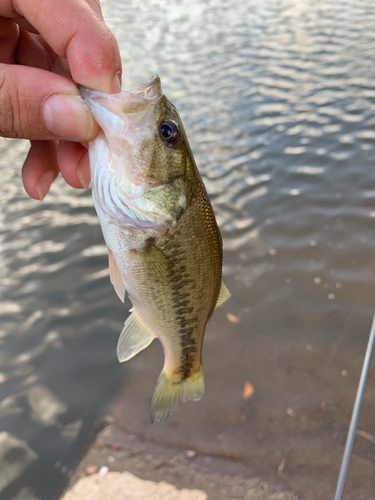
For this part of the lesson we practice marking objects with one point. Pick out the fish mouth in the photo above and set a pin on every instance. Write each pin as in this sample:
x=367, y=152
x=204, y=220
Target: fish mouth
x=118, y=111
x=150, y=89
x=141, y=97
x=129, y=101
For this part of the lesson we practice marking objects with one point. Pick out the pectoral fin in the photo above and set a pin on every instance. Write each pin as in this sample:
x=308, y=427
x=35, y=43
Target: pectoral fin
x=156, y=264
x=115, y=276
x=134, y=337
x=224, y=294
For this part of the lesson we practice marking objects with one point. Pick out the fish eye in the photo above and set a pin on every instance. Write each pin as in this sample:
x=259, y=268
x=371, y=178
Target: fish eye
x=169, y=131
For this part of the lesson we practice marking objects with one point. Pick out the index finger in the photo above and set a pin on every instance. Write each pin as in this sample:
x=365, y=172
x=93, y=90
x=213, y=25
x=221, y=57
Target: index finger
x=75, y=31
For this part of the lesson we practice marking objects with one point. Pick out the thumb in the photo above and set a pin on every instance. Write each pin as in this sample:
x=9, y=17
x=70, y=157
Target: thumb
x=38, y=105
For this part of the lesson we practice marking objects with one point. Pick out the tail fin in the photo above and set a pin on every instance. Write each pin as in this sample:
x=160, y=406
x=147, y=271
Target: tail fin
x=171, y=391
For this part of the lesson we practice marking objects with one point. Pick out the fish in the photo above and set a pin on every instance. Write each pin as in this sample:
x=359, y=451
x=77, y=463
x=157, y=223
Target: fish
x=164, y=245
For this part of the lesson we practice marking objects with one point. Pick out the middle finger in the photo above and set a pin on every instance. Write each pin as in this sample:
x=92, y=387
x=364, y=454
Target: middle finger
x=9, y=33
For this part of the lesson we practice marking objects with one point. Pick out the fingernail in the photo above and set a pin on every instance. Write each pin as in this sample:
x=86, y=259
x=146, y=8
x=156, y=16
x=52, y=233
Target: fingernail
x=68, y=117
x=83, y=173
x=116, y=83
x=44, y=183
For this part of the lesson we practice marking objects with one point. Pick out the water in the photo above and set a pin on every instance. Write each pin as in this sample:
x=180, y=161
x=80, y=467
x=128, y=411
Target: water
x=278, y=101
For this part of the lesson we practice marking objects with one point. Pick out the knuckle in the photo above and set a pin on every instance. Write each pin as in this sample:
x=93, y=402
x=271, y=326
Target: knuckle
x=11, y=124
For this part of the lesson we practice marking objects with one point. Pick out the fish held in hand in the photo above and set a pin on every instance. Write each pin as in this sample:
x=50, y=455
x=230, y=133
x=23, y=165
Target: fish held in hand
x=163, y=241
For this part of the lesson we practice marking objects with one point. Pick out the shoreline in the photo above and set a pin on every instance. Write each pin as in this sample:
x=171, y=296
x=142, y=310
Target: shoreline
x=120, y=455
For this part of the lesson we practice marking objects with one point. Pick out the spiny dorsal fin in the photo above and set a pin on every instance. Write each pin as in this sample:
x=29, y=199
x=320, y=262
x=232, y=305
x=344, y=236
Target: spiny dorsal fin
x=134, y=337
x=224, y=294
x=116, y=276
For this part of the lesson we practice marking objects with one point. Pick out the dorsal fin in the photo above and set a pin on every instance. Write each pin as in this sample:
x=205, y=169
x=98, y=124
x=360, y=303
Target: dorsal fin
x=224, y=294
x=134, y=337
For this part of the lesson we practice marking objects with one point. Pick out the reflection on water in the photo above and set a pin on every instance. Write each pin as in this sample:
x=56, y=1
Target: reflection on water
x=278, y=100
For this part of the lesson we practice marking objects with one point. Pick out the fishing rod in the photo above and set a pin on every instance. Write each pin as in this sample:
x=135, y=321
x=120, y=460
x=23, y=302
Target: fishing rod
x=355, y=415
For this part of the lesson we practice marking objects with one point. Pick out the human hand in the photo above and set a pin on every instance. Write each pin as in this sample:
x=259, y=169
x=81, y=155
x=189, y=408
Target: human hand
x=46, y=46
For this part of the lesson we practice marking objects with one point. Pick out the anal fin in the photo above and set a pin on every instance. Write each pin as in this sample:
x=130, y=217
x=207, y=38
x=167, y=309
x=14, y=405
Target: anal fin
x=134, y=337
x=224, y=294
x=115, y=276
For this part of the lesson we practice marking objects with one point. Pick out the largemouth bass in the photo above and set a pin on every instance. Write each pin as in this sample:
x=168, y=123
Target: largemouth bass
x=164, y=245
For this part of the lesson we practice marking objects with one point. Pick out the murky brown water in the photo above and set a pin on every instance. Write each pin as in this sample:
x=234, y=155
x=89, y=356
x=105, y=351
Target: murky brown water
x=278, y=99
